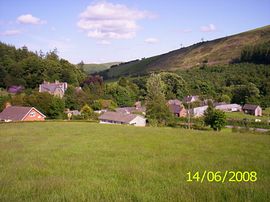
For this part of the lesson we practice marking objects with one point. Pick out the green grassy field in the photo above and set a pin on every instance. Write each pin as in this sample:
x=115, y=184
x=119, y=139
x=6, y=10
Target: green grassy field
x=80, y=161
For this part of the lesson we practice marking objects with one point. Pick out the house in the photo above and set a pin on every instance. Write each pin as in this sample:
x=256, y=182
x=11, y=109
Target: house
x=129, y=110
x=100, y=111
x=73, y=112
x=191, y=98
x=18, y=113
x=57, y=88
x=122, y=118
x=198, y=111
x=255, y=110
x=138, y=104
x=15, y=89
x=174, y=102
x=178, y=110
x=228, y=107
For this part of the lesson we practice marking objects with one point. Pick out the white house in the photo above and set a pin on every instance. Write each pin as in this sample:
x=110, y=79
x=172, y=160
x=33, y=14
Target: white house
x=198, y=111
x=122, y=118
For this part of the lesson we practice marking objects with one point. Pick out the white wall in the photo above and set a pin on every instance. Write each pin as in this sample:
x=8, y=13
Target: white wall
x=138, y=121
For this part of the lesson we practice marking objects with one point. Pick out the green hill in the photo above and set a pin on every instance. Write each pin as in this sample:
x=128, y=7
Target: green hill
x=95, y=68
x=215, y=52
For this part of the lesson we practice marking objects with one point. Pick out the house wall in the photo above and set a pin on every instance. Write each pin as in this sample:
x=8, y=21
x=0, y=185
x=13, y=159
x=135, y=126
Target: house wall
x=109, y=122
x=258, y=111
x=183, y=113
x=34, y=116
x=198, y=111
x=138, y=121
x=58, y=92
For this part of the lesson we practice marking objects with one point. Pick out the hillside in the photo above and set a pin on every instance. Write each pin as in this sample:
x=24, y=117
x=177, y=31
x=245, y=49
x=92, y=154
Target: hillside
x=215, y=52
x=95, y=68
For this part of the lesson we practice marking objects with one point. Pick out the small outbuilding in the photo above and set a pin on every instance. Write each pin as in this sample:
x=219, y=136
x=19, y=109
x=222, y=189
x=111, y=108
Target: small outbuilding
x=255, y=110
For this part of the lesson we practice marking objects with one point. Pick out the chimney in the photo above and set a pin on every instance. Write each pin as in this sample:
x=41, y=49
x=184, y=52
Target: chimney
x=8, y=104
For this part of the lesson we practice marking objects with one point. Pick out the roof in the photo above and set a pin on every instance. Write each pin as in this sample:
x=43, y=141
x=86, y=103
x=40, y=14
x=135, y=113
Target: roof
x=119, y=117
x=175, y=102
x=16, y=113
x=51, y=87
x=175, y=108
x=73, y=112
x=130, y=109
x=190, y=97
x=227, y=106
x=250, y=107
x=15, y=89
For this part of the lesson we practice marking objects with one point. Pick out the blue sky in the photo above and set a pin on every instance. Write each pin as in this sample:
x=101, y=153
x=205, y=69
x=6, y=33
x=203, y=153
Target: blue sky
x=123, y=30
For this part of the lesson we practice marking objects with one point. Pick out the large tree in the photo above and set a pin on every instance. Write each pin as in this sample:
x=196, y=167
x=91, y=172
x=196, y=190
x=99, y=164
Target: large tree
x=215, y=118
x=157, y=111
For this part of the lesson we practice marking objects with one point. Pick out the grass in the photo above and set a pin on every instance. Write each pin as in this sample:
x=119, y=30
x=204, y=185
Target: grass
x=242, y=115
x=75, y=161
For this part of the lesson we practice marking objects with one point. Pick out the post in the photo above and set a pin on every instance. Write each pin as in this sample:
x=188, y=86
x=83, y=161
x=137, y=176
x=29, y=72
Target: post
x=189, y=115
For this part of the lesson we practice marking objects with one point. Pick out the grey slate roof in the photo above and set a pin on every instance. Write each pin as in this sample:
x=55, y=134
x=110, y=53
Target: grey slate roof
x=117, y=117
x=175, y=108
x=51, y=87
x=15, y=113
x=130, y=109
x=250, y=107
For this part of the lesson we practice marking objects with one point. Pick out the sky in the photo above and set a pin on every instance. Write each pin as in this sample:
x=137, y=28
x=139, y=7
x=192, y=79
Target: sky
x=124, y=30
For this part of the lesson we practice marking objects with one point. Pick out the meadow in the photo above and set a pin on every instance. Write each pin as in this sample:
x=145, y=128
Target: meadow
x=80, y=161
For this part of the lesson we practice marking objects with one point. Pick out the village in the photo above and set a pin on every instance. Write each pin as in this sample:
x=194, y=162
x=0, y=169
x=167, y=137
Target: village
x=190, y=107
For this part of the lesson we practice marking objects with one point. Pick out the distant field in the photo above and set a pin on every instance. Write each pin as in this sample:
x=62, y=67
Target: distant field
x=79, y=161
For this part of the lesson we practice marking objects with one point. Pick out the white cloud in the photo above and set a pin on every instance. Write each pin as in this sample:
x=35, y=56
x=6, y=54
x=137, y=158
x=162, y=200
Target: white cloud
x=29, y=19
x=151, y=40
x=11, y=32
x=110, y=21
x=208, y=28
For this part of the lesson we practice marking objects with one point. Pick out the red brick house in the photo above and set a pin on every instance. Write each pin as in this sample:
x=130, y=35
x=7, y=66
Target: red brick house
x=178, y=110
x=17, y=113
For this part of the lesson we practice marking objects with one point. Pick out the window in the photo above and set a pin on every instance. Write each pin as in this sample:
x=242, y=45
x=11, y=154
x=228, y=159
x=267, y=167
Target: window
x=32, y=114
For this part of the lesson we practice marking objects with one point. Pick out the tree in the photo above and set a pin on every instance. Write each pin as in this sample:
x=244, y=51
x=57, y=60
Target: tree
x=241, y=93
x=215, y=118
x=175, y=85
x=87, y=112
x=157, y=111
x=123, y=96
x=224, y=98
x=53, y=107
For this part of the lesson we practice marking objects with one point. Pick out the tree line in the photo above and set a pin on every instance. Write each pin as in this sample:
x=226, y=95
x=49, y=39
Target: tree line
x=28, y=69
